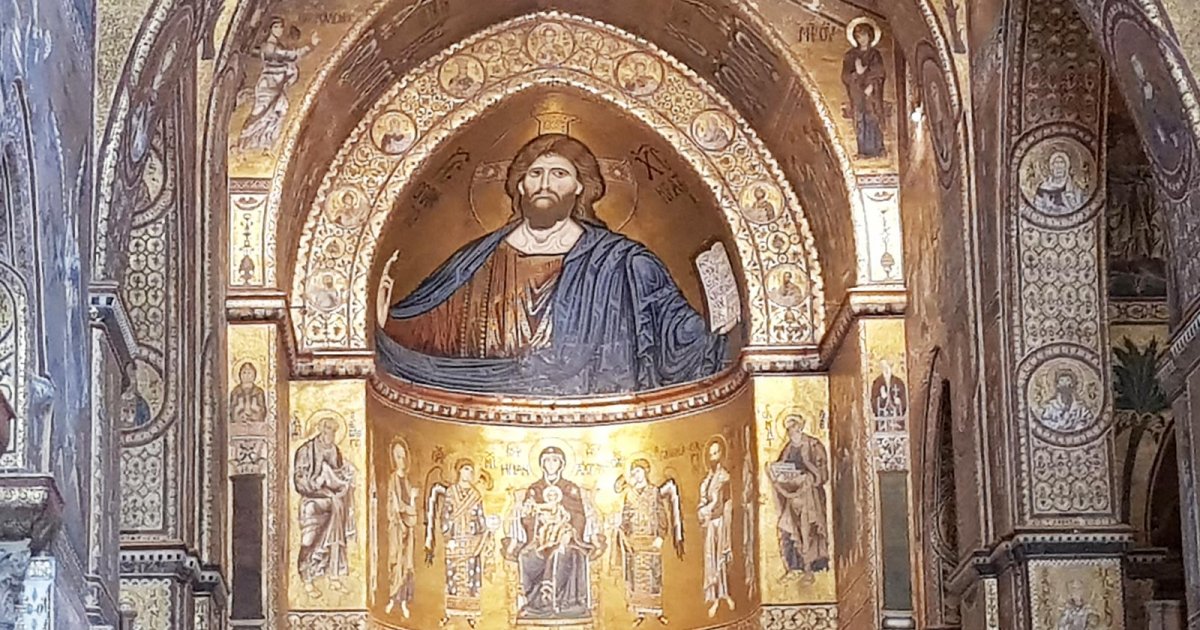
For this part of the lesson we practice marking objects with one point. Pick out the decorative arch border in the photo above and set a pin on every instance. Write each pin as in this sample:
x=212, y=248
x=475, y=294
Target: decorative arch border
x=510, y=58
x=16, y=355
x=165, y=18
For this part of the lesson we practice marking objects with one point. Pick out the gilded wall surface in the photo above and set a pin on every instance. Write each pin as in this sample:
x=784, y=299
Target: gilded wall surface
x=693, y=313
x=395, y=507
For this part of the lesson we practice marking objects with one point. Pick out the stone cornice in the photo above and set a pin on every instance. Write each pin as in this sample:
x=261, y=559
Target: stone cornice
x=1026, y=545
x=1181, y=358
x=256, y=305
x=885, y=300
x=509, y=410
x=30, y=508
x=212, y=584
x=169, y=562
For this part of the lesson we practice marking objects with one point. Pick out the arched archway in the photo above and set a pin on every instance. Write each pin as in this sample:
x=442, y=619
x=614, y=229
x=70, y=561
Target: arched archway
x=733, y=162
x=952, y=172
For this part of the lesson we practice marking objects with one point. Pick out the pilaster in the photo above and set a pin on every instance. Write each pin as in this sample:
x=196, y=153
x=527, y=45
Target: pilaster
x=1054, y=546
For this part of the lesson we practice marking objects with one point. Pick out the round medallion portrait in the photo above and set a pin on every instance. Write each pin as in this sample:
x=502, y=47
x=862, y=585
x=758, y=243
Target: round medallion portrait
x=393, y=132
x=1058, y=182
x=347, y=207
x=462, y=76
x=639, y=74
x=939, y=113
x=787, y=285
x=324, y=292
x=143, y=395
x=761, y=202
x=1142, y=69
x=712, y=130
x=1065, y=397
x=550, y=43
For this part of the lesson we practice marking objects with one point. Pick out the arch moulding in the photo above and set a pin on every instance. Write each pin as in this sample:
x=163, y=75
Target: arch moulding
x=548, y=49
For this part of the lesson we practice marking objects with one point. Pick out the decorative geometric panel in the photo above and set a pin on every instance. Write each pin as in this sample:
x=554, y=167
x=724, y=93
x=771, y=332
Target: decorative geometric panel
x=152, y=601
x=14, y=348
x=150, y=292
x=142, y=486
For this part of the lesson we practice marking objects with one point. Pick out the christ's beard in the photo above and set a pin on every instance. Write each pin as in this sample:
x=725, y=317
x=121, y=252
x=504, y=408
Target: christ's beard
x=544, y=213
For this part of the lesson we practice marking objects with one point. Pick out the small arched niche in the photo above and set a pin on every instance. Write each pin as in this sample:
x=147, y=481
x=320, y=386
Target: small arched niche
x=636, y=336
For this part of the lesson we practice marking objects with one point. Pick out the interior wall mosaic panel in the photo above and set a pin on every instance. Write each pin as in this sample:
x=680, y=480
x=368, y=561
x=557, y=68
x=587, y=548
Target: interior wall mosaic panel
x=566, y=527
x=254, y=429
x=329, y=506
x=855, y=509
x=795, y=496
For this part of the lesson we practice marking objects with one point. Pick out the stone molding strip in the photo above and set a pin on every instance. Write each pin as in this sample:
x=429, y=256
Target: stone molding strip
x=515, y=411
x=108, y=313
x=30, y=508
x=161, y=562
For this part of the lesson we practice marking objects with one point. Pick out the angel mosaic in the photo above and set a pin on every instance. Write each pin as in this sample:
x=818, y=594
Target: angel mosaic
x=650, y=515
x=280, y=71
x=456, y=511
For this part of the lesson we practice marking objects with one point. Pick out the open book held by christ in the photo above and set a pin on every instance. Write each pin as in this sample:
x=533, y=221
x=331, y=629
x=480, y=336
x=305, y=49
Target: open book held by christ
x=555, y=303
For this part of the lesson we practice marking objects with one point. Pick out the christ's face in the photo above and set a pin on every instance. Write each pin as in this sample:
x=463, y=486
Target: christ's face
x=552, y=496
x=548, y=190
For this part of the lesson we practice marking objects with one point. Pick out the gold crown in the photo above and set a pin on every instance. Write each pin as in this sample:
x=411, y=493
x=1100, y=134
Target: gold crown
x=552, y=117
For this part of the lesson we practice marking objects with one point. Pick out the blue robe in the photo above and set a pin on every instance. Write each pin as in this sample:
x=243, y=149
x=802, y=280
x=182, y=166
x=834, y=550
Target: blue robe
x=620, y=324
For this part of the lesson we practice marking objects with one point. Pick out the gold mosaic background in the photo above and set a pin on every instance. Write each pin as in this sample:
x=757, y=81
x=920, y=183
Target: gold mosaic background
x=596, y=457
